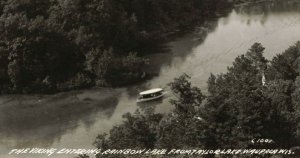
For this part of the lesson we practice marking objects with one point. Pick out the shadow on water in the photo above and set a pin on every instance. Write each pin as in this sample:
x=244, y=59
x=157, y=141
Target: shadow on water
x=173, y=53
x=149, y=107
x=41, y=120
x=268, y=7
x=179, y=47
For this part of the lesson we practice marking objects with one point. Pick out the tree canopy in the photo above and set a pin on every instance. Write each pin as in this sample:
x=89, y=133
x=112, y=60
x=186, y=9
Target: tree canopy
x=238, y=109
x=55, y=45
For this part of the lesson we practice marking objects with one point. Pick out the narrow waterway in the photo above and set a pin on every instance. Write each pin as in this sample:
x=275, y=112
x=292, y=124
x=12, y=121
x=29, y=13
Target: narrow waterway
x=210, y=49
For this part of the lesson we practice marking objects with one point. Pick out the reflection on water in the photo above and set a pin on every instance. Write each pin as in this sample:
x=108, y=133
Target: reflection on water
x=233, y=36
x=31, y=121
x=149, y=107
x=277, y=7
x=41, y=121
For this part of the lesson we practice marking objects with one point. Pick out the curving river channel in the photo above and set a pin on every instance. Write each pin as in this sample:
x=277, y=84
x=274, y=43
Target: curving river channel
x=74, y=119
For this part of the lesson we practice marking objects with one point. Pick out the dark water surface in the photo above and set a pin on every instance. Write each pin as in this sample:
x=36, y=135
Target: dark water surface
x=73, y=119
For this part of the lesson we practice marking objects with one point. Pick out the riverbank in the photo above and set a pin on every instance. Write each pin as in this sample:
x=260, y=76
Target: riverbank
x=255, y=2
x=78, y=45
x=198, y=57
x=24, y=112
x=248, y=2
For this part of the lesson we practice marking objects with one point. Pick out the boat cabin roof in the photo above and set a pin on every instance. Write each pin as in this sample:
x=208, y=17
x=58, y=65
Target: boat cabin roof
x=151, y=91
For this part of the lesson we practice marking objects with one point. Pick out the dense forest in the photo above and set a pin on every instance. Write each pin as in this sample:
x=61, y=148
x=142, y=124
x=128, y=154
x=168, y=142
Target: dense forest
x=56, y=45
x=238, y=108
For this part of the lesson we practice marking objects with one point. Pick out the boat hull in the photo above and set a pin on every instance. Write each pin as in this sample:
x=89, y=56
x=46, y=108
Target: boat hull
x=150, y=99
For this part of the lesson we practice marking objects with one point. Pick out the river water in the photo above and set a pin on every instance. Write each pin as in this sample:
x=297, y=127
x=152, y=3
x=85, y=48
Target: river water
x=209, y=49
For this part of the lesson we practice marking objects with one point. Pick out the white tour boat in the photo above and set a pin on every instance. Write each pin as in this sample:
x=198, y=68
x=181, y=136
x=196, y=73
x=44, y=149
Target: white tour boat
x=151, y=94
